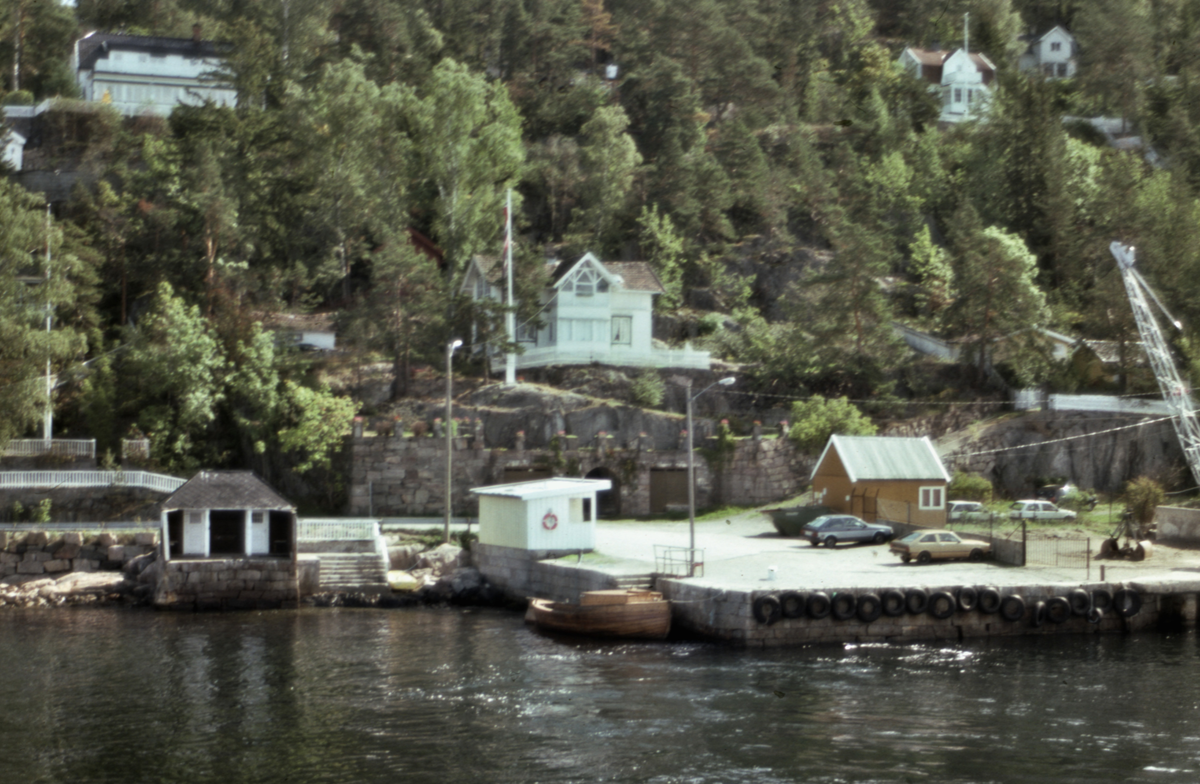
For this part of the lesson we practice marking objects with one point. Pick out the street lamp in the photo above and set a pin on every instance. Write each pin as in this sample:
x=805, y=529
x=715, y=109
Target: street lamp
x=449, y=453
x=692, y=470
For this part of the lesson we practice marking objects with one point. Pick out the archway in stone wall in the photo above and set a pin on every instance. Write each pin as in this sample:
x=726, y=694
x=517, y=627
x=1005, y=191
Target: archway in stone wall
x=608, y=502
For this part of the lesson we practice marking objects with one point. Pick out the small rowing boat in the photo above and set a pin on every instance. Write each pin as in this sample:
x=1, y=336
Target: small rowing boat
x=617, y=613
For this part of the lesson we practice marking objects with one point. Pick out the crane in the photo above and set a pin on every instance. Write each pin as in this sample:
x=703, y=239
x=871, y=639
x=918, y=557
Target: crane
x=1176, y=393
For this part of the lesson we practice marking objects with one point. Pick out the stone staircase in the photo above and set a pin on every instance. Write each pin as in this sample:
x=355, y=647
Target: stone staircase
x=354, y=572
x=640, y=582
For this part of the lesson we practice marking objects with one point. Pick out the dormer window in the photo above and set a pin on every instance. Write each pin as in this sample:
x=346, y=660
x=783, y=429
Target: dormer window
x=586, y=282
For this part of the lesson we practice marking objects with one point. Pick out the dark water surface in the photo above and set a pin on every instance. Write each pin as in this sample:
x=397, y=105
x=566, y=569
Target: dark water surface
x=448, y=697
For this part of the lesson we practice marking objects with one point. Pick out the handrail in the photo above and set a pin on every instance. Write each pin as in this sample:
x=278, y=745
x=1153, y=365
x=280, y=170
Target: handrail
x=56, y=479
x=33, y=447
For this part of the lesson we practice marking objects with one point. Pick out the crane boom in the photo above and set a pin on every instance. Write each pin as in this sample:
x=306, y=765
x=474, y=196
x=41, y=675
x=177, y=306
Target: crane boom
x=1175, y=391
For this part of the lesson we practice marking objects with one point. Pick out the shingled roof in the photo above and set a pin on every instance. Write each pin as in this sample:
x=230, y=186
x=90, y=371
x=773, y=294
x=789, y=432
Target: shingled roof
x=226, y=490
x=93, y=45
x=635, y=275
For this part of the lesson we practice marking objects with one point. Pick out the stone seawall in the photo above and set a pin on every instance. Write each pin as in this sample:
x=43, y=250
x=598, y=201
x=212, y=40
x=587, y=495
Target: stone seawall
x=520, y=574
x=43, y=553
x=406, y=476
x=228, y=584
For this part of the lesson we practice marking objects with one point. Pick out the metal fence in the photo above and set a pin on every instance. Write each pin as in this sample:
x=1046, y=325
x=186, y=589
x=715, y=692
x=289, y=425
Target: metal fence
x=677, y=561
x=1045, y=549
x=13, y=480
x=64, y=447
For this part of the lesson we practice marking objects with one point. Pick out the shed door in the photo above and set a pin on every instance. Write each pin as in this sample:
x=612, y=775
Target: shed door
x=668, y=486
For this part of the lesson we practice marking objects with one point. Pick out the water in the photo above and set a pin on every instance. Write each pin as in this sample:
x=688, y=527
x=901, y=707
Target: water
x=444, y=696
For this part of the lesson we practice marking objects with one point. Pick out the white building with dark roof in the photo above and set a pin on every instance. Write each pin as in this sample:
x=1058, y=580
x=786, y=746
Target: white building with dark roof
x=1054, y=53
x=961, y=78
x=141, y=74
x=592, y=311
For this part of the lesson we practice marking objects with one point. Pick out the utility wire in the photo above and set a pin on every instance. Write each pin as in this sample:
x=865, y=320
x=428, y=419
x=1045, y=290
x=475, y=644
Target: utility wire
x=957, y=455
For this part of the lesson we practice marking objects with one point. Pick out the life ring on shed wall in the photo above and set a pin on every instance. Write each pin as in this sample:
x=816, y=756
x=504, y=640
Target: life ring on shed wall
x=550, y=521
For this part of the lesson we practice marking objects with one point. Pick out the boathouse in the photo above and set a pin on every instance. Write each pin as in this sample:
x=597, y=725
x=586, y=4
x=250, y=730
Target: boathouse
x=883, y=478
x=223, y=513
x=556, y=515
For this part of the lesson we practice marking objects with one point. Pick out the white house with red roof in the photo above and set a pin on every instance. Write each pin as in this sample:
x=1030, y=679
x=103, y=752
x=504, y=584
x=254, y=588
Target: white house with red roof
x=962, y=78
x=592, y=311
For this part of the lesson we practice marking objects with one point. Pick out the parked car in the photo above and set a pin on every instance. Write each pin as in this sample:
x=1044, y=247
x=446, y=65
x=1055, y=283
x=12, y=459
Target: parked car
x=1038, y=510
x=925, y=546
x=1054, y=493
x=966, y=510
x=834, y=529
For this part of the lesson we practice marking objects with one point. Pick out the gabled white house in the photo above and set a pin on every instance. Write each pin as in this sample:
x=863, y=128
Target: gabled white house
x=963, y=79
x=1053, y=53
x=592, y=311
x=139, y=74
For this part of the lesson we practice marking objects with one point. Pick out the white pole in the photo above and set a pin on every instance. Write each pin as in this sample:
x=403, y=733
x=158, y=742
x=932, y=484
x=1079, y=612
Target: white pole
x=691, y=480
x=510, y=318
x=966, y=33
x=48, y=419
x=449, y=453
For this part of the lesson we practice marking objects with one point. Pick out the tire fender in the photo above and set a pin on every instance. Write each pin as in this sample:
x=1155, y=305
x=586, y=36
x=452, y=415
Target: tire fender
x=766, y=609
x=869, y=608
x=818, y=605
x=1039, y=614
x=893, y=603
x=989, y=600
x=1127, y=602
x=968, y=598
x=1081, y=601
x=1095, y=615
x=792, y=604
x=1012, y=608
x=942, y=605
x=1102, y=599
x=844, y=605
x=1058, y=610
x=915, y=601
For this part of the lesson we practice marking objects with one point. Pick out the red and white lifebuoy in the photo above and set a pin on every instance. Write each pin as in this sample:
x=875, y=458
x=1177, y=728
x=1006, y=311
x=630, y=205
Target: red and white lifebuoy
x=550, y=521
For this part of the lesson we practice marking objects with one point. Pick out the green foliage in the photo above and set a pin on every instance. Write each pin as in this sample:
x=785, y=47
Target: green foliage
x=648, y=389
x=42, y=514
x=969, y=487
x=663, y=248
x=815, y=420
x=1142, y=496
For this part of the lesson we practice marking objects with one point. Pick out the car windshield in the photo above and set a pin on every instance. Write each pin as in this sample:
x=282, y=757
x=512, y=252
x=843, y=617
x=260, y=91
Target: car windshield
x=912, y=537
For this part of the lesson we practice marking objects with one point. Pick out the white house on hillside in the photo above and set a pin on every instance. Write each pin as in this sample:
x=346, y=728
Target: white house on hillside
x=592, y=311
x=139, y=74
x=1052, y=52
x=963, y=79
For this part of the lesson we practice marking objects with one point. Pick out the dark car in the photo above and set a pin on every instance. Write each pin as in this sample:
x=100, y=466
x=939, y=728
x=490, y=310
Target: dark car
x=834, y=529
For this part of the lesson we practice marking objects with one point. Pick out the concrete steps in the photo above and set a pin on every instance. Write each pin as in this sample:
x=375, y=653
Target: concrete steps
x=641, y=582
x=356, y=572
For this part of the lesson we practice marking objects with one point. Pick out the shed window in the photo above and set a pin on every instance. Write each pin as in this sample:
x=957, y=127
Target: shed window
x=958, y=95
x=257, y=517
x=931, y=498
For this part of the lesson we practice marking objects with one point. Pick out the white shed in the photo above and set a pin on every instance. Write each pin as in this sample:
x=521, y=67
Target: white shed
x=545, y=514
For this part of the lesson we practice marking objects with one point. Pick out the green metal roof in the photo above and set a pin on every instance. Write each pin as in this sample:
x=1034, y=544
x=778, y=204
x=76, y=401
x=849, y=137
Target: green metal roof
x=877, y=458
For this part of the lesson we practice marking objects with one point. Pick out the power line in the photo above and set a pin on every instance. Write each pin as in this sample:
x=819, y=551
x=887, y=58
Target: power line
x=957, y=455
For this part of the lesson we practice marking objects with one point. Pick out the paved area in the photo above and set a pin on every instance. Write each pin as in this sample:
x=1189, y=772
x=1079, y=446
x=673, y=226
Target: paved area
x=740, y=551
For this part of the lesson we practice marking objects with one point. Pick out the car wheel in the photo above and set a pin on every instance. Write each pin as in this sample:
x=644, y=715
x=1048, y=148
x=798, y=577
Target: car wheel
x=831, y=541
x=878, y=538
x=906, y=558
x=976, y=555
x=924, y=557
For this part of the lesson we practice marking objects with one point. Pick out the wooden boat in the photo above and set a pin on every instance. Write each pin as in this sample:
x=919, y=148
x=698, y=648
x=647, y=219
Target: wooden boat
x=618, y=613
x=790, y=521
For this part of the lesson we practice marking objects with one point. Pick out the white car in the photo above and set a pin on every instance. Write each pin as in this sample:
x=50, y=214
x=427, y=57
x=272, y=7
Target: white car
x=1038, y=510
x=966, y=510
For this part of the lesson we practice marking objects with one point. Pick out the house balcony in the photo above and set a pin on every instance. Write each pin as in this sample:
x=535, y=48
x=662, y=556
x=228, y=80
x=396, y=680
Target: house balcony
x=621, y=356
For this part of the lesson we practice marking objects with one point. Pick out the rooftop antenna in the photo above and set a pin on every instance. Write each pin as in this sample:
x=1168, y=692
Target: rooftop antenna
x=967, y=33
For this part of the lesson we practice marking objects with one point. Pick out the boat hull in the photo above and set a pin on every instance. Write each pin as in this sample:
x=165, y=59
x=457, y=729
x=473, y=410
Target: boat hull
x=646, y=620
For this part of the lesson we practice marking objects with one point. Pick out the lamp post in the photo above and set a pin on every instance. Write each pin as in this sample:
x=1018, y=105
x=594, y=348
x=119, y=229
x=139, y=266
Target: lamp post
x=691, y=458
x=449, y=452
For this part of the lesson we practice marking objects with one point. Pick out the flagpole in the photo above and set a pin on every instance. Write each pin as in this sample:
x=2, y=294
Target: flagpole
x=510, y=319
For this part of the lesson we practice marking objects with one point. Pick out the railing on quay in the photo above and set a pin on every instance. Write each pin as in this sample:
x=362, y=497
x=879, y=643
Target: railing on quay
x=336, y=530
x=672, y=561
x=59, y=479
x=36, y=447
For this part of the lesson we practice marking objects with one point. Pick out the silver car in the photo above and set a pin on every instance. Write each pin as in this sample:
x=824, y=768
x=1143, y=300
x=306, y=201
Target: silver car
x=1038, y=510
x=959, y=511
x=834, y=529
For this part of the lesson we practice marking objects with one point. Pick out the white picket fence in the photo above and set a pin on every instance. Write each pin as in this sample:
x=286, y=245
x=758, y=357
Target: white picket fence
x=333, y=530
x=35, y=447
x=11, y=480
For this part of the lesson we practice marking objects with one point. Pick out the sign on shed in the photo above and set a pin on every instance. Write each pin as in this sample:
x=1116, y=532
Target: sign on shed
x=545, y=514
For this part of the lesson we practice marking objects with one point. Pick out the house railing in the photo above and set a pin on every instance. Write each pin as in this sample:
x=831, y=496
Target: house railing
x=330, y=530
x=35, y=447
x=1026, y=399
x=57, y=479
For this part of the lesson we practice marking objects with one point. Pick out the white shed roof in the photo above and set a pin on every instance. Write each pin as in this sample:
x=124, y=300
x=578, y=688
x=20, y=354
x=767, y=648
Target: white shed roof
x=546, y=488
x=884, y=458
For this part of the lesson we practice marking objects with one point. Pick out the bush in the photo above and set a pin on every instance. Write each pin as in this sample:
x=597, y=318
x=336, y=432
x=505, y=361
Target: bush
x=1142, y=495
x=19, y=98
x=969, y=487
x=648, y=389
x=815, y=420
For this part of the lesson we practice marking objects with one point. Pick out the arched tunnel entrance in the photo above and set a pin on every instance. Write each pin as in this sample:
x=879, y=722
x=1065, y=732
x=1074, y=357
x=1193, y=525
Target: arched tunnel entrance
x=608, y=502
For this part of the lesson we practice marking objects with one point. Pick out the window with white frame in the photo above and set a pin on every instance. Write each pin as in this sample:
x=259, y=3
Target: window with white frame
x=622, y=330
x=257, y=517
x=958, y=95
x=527, y=333
x=586, y=282
x=931, y=498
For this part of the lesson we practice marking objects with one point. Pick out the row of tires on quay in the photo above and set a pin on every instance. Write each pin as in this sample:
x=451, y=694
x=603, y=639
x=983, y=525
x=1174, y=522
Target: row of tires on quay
x=870, y=606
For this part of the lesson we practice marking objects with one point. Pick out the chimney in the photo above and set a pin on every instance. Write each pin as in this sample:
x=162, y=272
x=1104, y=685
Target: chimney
x=196, y=33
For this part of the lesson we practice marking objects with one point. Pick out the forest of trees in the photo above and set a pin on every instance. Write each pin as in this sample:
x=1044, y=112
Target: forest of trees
x=735, y=131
